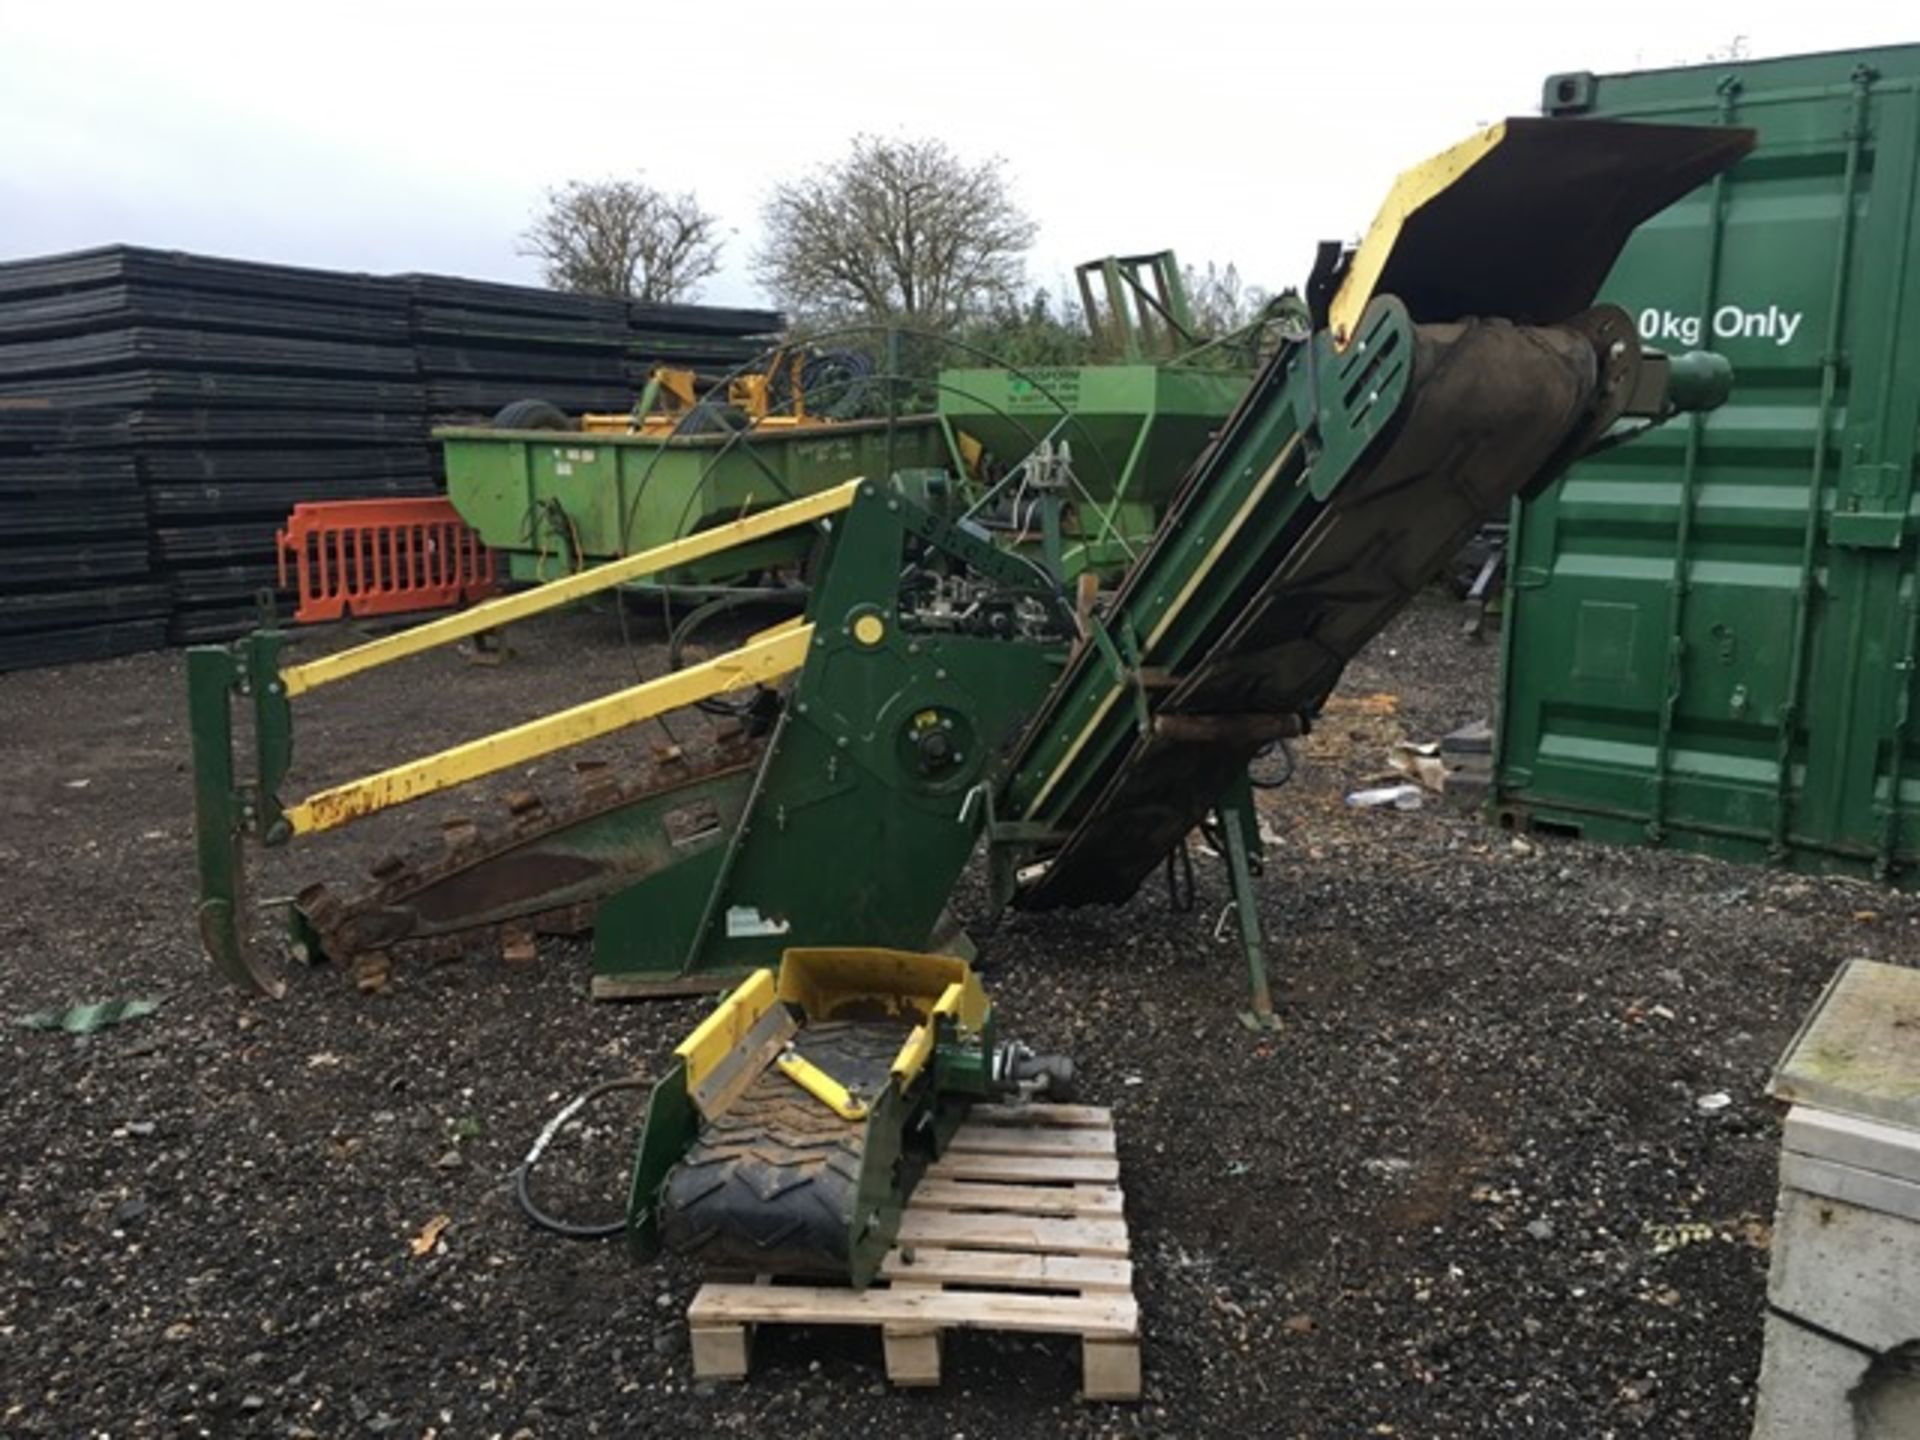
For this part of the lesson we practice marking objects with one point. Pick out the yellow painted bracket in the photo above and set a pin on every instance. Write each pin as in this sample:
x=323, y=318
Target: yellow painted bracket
x=716, y=1037
x=781, y=652
x=832, y=982
x=914, y=1054
x=494, y=613
x=822, y=1086
x=964, y=1002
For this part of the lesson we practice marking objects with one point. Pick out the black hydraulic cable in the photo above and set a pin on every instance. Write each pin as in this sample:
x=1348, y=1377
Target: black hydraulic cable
x=683, y=632
x=571, y=1230
x=1261, y=781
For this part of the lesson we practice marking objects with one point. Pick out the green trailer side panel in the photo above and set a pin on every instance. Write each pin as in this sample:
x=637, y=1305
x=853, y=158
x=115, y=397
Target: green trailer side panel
x=554, y=501
x=1711, y=630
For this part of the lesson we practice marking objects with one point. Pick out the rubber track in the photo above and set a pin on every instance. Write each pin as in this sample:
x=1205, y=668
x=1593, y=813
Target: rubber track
x=769, y=1186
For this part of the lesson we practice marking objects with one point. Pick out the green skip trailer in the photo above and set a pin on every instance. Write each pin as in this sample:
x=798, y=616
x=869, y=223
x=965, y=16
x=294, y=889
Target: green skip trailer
x=1711, y=632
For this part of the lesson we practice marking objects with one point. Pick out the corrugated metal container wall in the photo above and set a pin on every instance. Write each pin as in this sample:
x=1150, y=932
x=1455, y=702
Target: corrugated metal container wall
x=1711, y=631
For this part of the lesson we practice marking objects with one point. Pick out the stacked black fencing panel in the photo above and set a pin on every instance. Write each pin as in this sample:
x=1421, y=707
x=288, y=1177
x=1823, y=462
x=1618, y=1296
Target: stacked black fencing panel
x=482, y=346
x=76, y=582
x=237, y=389
x=161, y=413
x=711, y=340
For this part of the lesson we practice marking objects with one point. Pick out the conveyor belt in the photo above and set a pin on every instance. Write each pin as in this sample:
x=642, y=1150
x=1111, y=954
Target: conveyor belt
x=770, y=1185
x=1327, y=547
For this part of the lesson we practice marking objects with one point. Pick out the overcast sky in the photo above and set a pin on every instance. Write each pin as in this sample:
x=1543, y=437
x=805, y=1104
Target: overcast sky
x=414, y=136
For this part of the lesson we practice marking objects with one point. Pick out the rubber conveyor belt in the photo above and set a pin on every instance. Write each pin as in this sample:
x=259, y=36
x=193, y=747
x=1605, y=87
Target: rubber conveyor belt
x=1489, y=408
x=769, y=1186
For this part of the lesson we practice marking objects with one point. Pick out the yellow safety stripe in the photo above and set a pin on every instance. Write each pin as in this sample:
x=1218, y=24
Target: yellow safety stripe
x=751, y=664
x=493, y=613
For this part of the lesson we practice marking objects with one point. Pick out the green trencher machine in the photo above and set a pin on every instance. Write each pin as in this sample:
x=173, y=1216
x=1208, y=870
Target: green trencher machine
x=947, y=692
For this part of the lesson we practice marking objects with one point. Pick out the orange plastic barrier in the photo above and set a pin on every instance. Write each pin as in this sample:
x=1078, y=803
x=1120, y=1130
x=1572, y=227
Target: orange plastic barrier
x=381, y=557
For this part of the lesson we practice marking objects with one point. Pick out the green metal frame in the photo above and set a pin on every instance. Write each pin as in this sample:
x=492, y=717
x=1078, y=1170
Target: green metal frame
x=1228, y=535
x=1239, y=825
x=228, y=809
x=846, y=830
x=841, y=835
x=1145, y=314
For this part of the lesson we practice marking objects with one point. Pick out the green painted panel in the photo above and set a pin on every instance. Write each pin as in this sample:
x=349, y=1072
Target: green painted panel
x=553, y=500
x=1134, y=429
x=1710, y=635
x=856, y=826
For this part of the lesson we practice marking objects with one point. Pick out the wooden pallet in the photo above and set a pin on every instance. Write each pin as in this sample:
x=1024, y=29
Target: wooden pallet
x=1018, y=1227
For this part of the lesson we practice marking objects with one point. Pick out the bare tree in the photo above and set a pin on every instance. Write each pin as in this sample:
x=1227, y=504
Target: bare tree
x=1220, y=301
x=899, y=232
x=623, y=237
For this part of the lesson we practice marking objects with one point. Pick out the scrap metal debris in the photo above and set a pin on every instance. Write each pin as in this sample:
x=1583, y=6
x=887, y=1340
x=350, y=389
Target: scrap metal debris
x=1421, y=763
x=1387, y=797
x=87, y=1018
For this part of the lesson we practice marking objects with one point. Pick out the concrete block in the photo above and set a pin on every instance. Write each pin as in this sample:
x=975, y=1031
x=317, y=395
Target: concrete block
x=1846, y=1269
x=1805, y=1380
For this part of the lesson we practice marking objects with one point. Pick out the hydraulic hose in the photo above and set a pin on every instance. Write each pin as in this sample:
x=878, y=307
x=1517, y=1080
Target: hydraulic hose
x=572, y=1230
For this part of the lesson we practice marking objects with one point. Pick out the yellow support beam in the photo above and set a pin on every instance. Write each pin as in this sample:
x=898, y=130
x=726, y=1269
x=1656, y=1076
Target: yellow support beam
x=493, y=613
x=761, y=660
x=822, y=1086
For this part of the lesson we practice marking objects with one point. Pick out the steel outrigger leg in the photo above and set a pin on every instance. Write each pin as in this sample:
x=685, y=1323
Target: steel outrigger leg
x=1237, y=821
x=227, y=810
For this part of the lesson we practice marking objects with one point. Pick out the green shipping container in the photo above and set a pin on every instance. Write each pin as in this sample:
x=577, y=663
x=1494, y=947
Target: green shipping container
x=1711, y=631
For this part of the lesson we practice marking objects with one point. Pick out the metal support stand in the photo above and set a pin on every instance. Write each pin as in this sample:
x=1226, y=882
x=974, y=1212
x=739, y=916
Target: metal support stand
x=223, y=812
x=1237, y=822
x=1481, y=595
x=490, y=647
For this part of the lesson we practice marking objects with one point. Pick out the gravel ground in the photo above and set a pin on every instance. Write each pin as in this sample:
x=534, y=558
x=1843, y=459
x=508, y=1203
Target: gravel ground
x=1432, y=1205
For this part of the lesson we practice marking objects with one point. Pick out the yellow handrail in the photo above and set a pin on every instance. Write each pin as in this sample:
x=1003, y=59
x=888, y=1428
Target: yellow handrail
x=493, y=613
x=774, y=653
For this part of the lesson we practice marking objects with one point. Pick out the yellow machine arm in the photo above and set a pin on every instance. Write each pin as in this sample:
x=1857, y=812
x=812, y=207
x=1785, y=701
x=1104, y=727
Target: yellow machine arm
x=494, y=613
x=766, y=657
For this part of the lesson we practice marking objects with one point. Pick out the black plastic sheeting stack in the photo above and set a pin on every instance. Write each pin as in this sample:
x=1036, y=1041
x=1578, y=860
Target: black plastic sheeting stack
x=213, y=394
x=161, y=413
x=75, y=579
